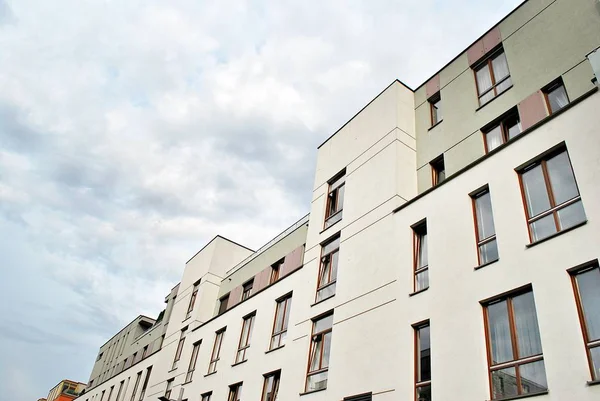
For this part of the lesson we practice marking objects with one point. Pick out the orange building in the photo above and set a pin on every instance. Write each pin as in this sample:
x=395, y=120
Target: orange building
x=66, y=390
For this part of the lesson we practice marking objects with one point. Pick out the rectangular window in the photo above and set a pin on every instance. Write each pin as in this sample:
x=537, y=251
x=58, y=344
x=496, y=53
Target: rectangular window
x=485, y=231
x=422, y=363
x=275, y=271
x=435, y=107
x=282, y=315
x=102, y=396
x=247, y=289
x=328, y=269
x=135, y=386
x=552, y=201
x=586, y=282
x=420, y=258
x=492, y=77
x=120, y=390
x=144, y=352
x=245, y=337
x=502, y=131
x=109, y=393
x=206, y=396
x=193, y=359
x=556, y=96
x=438, y=170
x=192, y=300
x=169, y=388
x=179, y=348
x=235, y=392
x=223, y=301
x=516, y=363
x=145, y=385
x=318, y=359
x=335, y=199
x=216, y=352
x=271, y=386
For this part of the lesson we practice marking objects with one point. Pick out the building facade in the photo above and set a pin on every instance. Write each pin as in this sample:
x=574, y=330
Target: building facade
x=65, y=390
x=451, y=250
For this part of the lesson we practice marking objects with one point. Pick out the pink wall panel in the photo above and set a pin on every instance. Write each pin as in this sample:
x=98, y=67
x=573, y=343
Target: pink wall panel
x=292, y=261
x=235, y=296
x=475, y=52
x=532, y=109
x=491, y=39
x=261, y=280
x=433, y=86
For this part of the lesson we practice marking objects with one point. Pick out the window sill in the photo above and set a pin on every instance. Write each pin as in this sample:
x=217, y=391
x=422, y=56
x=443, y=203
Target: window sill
x=186, y=319
x=312, y=391
x=274, y=349
x=556, y=234
x=491, y=100
x=412, y=294
x=239, y=363
x=518, y=397
x=486, y=264
x=328, y=227
x=210, y=374
x=172, y=370
x=323, y=300
x=435, y=125
x=593, y=382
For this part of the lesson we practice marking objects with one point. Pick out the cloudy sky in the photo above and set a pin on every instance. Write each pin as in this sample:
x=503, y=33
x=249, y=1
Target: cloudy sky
x=133, y=131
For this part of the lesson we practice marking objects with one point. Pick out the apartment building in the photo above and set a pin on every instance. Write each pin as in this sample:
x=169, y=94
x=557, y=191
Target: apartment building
x=65, y=390
x=451, y=250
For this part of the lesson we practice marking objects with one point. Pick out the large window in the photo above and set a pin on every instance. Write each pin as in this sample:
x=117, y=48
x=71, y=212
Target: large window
x=586, y=282
x=328, y=269
x=275, y=271
x=420, y=259
x=514, y=346
x=438, y=170
x=223, y=302
x=487, y=248
x=282, y=315
x=245, y=337
x=135, y=386
x=556, y=96
x=120, y=390
x=435, y=108
x=502, y=131
x=193, y=360
x=192, y=300
x=422, y=363
x=247, y=289
x=335, y=199
x=111, y=391
x=271, y=386
x=144, y=386
x=318, y=359
x=492, y=77
x=216, y=352
x=235, y=392
x=552, y=200
x=179, y=348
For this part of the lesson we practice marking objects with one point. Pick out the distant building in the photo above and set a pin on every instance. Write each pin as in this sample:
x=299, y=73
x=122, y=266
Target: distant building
x=66, y=390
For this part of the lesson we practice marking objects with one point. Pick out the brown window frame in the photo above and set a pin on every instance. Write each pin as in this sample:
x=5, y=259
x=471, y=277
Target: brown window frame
x=137, y=383
x=503, y=123
x=438, y=167
x=333, y=193
x=223, y=304
x=487, y=63
x=589, y=343
x=206, y=396
x=419, y=229
x=557, y=83
x=314, y=339
x=434, y=114
x=193, y=361
x=275, y=271
x=215, y=357
x=247, y=289
x=244, y=343
x=276, y=375
x=423, y=383
x=144, y=385
x=489, y=239
x=554, y=208
x=328, y=258
x=281, y=332
x=179, y=349
x=192, y=300
x=234, y=391
x=168, y=389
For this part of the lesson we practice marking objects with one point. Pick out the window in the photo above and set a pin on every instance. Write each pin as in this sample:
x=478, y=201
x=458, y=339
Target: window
x=435, y=106
x=556, y=96
x=275, y=271
x=318, y=359
x=169, y=388
x=192, y=300
x=552, y=201
x=102, y=396
x=271, y=386
x=501, y=132
x=135, y=386
x=245, y=337
x=206, y=396
x=247, y=290
x=133, y=358
x=438, y=171
x=193, y=359
x=120, y=390
x=99, y=356
x=492, y=77
x=145, y=385
x=214, y=358
x=335, y=199
x=235, y=392
x=282, y=315
x=420, y=259
x=422, y=363
x=328, y=269
x=223, y=303
x=179, y=348
x=361, y=397
x=586, y=282
x=514, y=346
x=487, y=248
x=144, y=352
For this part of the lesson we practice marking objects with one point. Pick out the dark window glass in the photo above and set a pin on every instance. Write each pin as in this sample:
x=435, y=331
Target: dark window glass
x=435, y=104
x=247, y=290
x=235, y=392
x=438, y=171
x=223, y=304
x=271, y=387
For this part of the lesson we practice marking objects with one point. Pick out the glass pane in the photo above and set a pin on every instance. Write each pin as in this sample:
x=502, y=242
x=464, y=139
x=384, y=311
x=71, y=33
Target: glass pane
x=487, y=97
x=595, y=356
x=436, y=109
x=282, y=338
x=588, y=284
x=500, y=66
x=268, y=388
x=504, y=85
x=504, y=383
x=424, y=393
x=542, y=228
x=326, y=292
x=334, y=265
x=484, y=80
x=315, y=354
x=325, y=268
x=330, y=246
x=562, y=179
x=288, y=307
x=323, y=324
x=499, y=328
x=494, y=138
x=533, y=377
x=488, y=252
x=571, y=215
x=245, y=328
x=326, y=350
x=334, y=219
x=424, y=358
x=422, y=280
x=274, y=341
x=526, y=325
x=279, y=316
x=558, y=98
x=513, y=126
x=423, y=260
x=316, y=382
x=535, y=191
x=485, y=220
x=340, y=203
